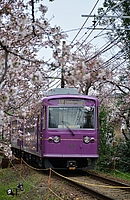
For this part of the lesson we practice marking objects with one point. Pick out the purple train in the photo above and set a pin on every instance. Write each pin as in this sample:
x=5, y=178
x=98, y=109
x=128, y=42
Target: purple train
x=62, y=134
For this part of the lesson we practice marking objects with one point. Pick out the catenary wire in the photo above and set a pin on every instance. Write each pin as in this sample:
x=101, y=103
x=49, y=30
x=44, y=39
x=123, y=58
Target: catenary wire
x=98, y=34
x=100, y=18
x=84, y=22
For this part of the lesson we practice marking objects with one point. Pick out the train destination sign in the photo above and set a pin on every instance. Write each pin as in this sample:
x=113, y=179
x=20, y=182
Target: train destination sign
x=71, y=102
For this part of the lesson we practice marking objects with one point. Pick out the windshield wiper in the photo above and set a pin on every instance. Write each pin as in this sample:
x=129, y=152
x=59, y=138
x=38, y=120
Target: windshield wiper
x=64, y=123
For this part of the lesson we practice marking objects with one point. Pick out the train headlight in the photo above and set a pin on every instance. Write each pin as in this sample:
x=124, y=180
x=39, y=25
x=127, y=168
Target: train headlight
x=50, y=139
x=86, y=139
x=56, y=139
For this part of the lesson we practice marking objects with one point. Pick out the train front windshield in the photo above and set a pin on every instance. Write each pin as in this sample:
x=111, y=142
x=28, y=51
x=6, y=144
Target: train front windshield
x=72, y=117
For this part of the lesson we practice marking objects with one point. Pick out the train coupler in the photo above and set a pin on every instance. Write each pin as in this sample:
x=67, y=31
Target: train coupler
x=71, y=164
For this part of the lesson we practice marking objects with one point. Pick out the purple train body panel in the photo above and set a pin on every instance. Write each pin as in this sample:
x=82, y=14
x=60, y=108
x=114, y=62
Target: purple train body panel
x=63, y=134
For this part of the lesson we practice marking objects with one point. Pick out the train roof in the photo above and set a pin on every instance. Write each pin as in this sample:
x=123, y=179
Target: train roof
x=58, y=92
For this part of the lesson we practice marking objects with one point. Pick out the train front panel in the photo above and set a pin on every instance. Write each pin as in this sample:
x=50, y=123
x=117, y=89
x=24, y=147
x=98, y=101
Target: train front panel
x=70, y=133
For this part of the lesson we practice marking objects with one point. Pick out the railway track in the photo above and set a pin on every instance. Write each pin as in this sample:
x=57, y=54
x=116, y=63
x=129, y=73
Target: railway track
x=98, y=187
x=122, y=186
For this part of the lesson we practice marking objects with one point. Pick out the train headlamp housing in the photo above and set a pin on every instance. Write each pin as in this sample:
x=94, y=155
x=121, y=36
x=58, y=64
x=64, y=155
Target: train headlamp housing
x=92, y=139
x=86, y=139
x=56, y=139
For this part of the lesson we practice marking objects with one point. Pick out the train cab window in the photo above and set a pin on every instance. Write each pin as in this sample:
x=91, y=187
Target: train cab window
x=72, y=117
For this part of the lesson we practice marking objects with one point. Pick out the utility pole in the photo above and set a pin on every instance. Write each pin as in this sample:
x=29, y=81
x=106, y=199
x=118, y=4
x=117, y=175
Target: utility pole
x=99, y=17
x=107, y=16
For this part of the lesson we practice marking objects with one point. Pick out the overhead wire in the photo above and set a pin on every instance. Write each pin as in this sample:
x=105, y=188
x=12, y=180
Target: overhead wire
x=97, y=22
x=106, y=63
x=103, y=66
x=118, y=66
x=88, y=18
x=119, y=40
x=108, y=45
x=112, y=60
x=105, y=48
x=101, y=30
x=54, y=78
x=100, y=33
x=83, y=41
x=84, y=22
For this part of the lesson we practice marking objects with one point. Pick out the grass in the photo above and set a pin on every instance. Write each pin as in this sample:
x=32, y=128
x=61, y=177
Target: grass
x=124, y=176
x=10, y=179
x=121, y=175
x=35, y=184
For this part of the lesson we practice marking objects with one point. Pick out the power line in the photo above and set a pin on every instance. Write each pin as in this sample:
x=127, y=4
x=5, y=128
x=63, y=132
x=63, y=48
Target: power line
x=103, y=28
x=84, y=22
x=98, y=20
x=109, y=61
x=106, y=48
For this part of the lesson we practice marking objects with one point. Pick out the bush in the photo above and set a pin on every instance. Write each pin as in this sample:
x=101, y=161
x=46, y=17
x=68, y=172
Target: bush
x=106, y=133
x=111, y=156
x=122, y=153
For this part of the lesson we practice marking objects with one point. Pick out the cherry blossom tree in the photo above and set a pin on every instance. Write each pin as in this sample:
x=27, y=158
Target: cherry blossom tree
x=25, y=33
x=81, y=69
x=25, y=36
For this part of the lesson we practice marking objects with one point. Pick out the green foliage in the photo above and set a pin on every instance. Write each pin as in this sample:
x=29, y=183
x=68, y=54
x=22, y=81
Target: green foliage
x=121, y=25
x=111, y=156
x=105, y=160
x=122, y=155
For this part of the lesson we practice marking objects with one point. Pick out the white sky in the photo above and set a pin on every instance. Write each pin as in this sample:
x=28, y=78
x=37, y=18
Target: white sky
x=67, y=15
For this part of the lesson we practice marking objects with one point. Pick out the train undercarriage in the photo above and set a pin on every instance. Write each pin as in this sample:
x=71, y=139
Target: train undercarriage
x=56, y=163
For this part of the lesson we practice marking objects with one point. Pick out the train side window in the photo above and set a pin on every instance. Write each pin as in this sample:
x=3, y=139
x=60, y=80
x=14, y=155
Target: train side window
x=30, y=124
x=14, y=127
x=88, y=118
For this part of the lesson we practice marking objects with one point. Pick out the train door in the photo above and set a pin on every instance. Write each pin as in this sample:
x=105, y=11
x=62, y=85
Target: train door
x=42, y=126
